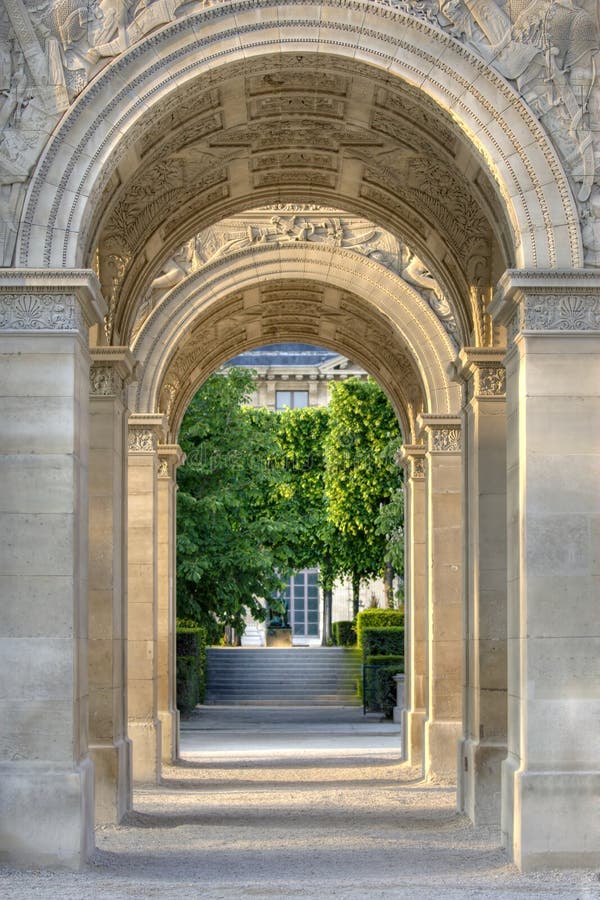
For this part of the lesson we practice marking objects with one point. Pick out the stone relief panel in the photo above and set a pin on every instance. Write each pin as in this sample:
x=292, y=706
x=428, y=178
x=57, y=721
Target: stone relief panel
x=295, y=223
x=141, y=440
x=443, y=439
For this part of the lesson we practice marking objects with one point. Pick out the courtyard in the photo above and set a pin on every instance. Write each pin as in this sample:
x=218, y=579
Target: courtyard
x=290, y=802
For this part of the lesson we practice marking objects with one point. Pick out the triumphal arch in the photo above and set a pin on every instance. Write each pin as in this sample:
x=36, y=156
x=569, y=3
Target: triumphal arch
x=413, y=183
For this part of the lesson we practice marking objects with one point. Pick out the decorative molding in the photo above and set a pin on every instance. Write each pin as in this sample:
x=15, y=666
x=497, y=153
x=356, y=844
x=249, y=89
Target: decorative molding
x=32, y=311
x=142, y=440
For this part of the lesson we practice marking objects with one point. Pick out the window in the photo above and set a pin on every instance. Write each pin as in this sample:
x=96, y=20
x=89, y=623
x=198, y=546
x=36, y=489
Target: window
x=291, y=399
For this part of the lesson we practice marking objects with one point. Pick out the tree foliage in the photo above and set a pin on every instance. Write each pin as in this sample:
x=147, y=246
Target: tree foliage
x=230, y=541
x=263, y=494
x=361, y=476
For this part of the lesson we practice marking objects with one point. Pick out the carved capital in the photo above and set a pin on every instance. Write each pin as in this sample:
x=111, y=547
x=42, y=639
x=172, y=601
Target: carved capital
x=556, y=302
x=141, y=440
x=443, y=433
x=170, y=457
x=412, y=457
x=145, y=432
x=481, y=371
x=111, y=371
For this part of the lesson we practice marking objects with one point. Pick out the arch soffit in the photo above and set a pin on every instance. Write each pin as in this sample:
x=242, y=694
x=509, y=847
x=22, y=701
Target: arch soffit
x=105, y=121
x=383, y=311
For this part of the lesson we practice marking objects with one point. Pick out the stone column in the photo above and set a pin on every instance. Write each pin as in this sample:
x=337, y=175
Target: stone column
x=110, y=748
x=415, y=605
x=170, y=457
x=551, y=778
x=46, y=775
x=483, y=748
x=142, y=603
x=443, y=727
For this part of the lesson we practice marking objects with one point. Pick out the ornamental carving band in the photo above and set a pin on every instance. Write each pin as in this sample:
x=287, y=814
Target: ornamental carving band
x=40, y=312
x=446, y=439
x=163, y=468
x=141, y=440
x=556, y=312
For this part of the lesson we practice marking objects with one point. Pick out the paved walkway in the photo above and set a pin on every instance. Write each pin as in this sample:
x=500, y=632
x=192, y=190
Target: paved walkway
x=295, y=803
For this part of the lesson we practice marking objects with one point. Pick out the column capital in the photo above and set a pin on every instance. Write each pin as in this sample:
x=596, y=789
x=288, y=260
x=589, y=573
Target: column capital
x=481, y=371
x=412, y=457
x=111, y=370
x=145, y=432
x=50, y=301
x=170, y=457
x=443, y=432
x=550, y=302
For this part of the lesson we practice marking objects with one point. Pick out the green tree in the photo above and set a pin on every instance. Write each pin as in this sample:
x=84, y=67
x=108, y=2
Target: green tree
x=301, y=436
x=231, y=542
x=361, y=476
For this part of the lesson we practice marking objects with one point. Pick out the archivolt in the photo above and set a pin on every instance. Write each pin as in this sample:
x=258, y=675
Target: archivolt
x=96, y=135
x=305, y=293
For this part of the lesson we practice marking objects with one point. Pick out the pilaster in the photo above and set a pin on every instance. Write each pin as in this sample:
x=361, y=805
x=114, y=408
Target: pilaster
x=145, y=432
x=170, y=457
x=484, y=743
x=444, y=615
x=412, y=456
x=551, y=778
x=111, y=369
x=46, y=775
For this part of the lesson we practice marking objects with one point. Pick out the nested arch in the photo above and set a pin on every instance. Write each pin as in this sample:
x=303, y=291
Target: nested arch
x=305, y=293
x=442, y=150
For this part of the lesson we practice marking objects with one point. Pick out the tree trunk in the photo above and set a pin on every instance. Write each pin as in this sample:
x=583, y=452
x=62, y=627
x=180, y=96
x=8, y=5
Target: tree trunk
x=327, y=604
x=355, y=595
x=388, y=585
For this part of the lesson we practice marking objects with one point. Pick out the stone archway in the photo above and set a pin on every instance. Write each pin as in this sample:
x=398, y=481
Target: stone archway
x=392, y=116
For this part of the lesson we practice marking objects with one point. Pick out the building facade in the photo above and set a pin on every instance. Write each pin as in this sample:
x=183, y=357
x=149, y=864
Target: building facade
x=466, y=130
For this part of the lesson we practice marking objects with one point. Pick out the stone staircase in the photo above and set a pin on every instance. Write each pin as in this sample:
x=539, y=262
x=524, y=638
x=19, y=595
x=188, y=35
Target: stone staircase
x=296, y=676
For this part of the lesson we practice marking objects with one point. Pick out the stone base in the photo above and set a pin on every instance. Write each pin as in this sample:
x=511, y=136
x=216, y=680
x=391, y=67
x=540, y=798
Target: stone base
x=441, y=741
x=555, y=825
x=112, y=780
x=479, y=780
x=169, y=722
x=413, y=724
x=147, y=747
x=46, y=814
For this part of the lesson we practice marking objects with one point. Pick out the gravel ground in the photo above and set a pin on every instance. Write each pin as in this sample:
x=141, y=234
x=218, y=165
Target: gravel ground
x=313, y=825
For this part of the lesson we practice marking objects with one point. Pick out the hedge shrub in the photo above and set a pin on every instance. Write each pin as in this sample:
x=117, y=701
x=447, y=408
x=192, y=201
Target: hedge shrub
x=343, y=633
x=382, y=641
x=191, y=666
x=380, y=686
x=385, y=688
x=378, y=618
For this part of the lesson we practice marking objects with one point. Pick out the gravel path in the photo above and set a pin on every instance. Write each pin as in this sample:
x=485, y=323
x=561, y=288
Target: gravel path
x=313, y=825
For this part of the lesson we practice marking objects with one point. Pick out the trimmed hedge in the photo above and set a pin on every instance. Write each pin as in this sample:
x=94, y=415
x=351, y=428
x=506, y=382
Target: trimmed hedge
x=382, y=641
x=380, y=685
x=378, y=618
x=343, y=633
x=191, y=666
x=385, y=688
